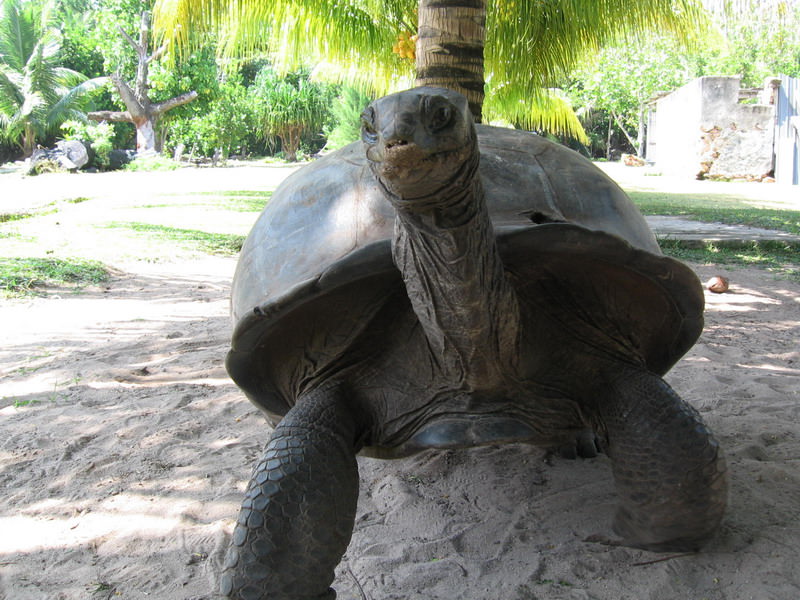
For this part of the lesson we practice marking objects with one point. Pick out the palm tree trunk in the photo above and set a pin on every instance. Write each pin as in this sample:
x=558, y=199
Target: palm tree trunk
x=450, y=48
x=28, y=140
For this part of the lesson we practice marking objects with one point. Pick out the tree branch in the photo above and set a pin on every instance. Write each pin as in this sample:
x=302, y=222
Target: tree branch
x=622, y=128
x=111, y=115
x=144, y=30
x=141, y=68
x=131, y=102
x=131, y=41
x=163, y=107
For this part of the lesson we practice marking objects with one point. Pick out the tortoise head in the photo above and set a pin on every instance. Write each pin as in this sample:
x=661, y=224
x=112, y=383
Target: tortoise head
x=420, y=142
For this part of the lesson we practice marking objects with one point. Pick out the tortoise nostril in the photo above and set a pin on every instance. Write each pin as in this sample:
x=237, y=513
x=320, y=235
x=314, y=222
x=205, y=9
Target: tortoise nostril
x=394, y=143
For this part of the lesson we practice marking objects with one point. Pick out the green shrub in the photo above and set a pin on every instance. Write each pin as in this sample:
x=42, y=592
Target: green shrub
x=293, y=108
x=346, y=112
x=229, y=125
x=98, y=135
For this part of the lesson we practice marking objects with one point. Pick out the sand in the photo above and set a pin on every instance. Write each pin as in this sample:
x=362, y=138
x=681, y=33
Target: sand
x=125, y=449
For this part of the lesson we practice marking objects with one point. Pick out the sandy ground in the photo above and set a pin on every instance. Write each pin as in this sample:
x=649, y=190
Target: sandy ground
x=125, y=449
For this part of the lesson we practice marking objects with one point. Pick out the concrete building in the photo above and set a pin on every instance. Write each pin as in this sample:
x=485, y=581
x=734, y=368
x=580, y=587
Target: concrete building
x=711, y=128
x=787, y=132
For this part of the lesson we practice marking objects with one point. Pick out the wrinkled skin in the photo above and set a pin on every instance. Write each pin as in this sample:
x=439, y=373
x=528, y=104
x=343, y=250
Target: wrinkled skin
x=466, y=347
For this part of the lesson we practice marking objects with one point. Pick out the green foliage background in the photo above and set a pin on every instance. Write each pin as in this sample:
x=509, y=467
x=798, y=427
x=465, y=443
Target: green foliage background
x=250, y=108
x=753, y=39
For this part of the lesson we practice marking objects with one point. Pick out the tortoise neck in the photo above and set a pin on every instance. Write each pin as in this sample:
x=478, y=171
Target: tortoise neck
x=457, y=285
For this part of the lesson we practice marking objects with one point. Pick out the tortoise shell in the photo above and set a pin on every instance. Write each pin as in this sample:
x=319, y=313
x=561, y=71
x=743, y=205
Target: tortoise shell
x=315, y=266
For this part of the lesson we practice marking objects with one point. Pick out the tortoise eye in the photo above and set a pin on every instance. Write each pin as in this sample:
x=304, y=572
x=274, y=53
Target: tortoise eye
x=439, y=113
x=368, y=131
x=441, y=118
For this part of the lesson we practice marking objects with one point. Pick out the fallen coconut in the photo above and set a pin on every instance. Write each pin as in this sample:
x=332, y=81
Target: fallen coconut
x=718, y=284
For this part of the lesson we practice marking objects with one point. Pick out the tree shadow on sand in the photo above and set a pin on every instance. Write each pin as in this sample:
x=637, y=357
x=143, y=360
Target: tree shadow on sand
x=126, y=481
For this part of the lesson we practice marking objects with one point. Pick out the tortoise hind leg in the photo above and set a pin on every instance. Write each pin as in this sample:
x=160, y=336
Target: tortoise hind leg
x=298, y=513
x=669, y=471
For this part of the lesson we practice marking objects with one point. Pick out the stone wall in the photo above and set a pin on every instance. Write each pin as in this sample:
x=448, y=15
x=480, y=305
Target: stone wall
x=710, y=128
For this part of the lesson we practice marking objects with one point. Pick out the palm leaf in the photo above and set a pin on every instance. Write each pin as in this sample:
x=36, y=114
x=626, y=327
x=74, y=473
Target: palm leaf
x=12, y=35
x=69, y=106
x=549, y=111
x=353, y=39
x=38, y=72
x=530, y=44
x=11, y=96
x=36, y=94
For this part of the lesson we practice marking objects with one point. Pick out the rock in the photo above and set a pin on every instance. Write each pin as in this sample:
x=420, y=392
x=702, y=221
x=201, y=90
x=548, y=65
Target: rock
x=119, y=158
x=67, y=156
x=75, y=152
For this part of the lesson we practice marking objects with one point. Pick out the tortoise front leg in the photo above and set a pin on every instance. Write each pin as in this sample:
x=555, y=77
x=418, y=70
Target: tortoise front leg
x=298, y=513
x=669, y=470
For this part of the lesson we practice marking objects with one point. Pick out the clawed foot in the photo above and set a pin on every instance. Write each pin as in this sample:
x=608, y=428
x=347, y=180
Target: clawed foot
x=299, y=508
x=585, y=445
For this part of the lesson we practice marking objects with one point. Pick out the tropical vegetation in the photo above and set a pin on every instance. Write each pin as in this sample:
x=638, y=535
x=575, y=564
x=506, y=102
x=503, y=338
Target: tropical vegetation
x=517, y=51
x=37, y=93
x=288, y=77
x=754, y=39
x=290, y=107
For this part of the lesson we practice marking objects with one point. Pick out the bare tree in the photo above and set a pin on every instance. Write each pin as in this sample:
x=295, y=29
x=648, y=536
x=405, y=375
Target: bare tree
x=142, y=112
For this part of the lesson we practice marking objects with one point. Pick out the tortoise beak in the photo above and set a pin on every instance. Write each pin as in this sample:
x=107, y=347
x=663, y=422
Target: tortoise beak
x=392, y=149
x=402, y=161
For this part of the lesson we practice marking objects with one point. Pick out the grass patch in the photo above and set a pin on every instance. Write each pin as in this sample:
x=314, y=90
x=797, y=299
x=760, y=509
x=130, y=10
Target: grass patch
x=213, y=243
x=13, y=217
x=16, y=235
x=8, y=217
x=780, y=258
x=152, y=163
x=243, y=201
x=727, y=210
x=22, y=276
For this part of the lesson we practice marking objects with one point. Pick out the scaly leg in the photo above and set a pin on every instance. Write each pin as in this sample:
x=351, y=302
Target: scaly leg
x=669, y=470
x=299, y=509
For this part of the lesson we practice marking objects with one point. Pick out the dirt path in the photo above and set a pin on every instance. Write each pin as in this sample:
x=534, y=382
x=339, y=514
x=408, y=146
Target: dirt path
x=124, y=447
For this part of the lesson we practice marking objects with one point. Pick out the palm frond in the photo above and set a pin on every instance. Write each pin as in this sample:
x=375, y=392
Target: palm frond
x=11, y=96
x=11, y=129
x=33, y=101
x=532, y=44
x=12, y=34
x=69, y=106
x=36, y=94
x=39, y=73
x=70, y=78
x=353, y=39
x=549, y=111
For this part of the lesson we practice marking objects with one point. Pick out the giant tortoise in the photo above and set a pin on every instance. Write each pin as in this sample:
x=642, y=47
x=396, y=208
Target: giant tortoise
x=446, y=285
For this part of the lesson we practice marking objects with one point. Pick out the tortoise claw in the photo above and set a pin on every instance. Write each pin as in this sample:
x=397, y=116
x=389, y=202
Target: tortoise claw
x=585, y=445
